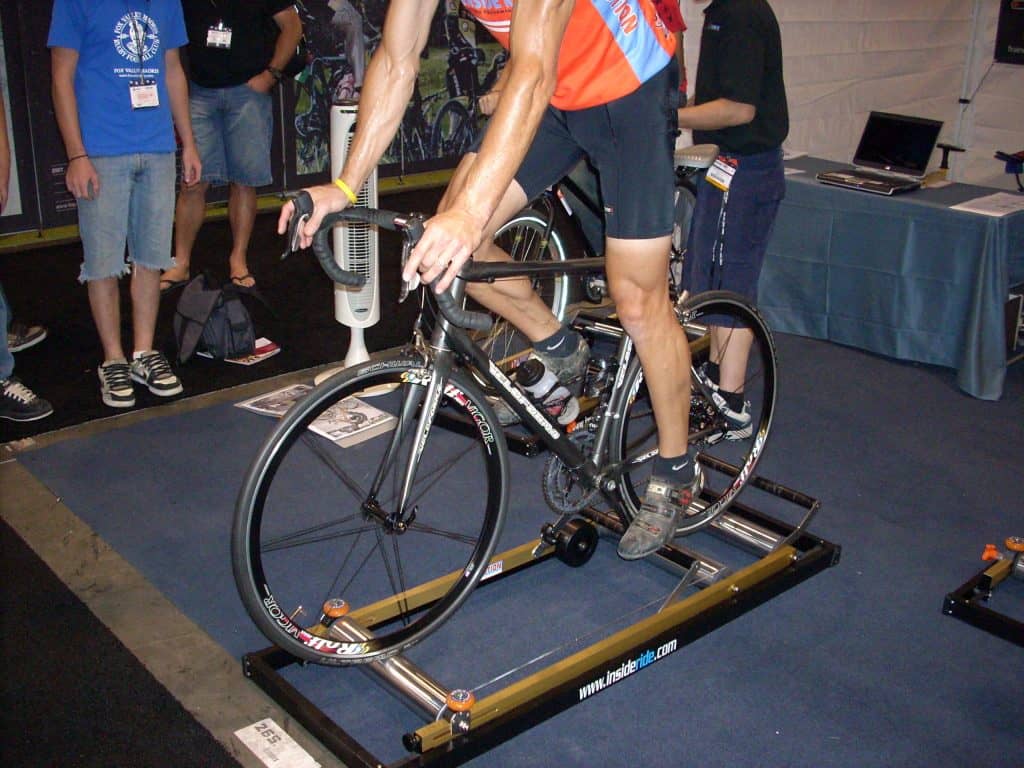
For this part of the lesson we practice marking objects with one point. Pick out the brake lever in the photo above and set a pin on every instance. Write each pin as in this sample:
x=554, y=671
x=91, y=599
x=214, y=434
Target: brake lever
x=302, y=205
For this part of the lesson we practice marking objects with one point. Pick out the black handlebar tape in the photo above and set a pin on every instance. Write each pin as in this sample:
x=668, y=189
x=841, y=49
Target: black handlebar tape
x=460, y=316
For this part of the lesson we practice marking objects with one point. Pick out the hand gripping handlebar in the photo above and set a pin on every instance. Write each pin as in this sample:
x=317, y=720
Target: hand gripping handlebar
x=411, y=227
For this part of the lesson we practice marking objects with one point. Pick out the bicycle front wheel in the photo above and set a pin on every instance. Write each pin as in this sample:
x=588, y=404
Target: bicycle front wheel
x=316, y=522
x=526, y=239
x=725, y=451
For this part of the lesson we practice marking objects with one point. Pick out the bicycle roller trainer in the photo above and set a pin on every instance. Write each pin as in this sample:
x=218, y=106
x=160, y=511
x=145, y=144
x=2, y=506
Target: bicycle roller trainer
x=283, y=534
x=967, y=602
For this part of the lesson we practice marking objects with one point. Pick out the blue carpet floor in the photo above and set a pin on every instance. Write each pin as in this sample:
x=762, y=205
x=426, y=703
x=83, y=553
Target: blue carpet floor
x=856, y=667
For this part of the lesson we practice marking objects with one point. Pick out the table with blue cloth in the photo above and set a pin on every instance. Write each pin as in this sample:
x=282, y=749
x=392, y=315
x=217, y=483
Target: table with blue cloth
x=903, y=276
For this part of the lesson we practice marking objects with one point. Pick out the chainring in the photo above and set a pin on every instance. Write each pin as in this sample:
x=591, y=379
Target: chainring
x=563, y=491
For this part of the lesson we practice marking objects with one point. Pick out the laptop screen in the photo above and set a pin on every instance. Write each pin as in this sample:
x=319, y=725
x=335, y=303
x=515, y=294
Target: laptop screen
x=897, y=143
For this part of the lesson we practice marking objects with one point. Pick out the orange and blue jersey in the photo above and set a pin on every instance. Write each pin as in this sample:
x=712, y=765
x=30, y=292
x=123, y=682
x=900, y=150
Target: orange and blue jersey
x=610, y=47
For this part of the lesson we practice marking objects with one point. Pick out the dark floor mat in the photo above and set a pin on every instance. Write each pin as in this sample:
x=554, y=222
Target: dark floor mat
x=42, y=287
x=56, y=710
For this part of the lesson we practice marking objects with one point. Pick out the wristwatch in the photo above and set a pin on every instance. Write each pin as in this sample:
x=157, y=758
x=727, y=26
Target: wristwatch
x=276, y=73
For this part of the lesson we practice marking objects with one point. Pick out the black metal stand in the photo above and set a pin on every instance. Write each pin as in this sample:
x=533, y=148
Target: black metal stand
x=789, y=555
x=965, y=602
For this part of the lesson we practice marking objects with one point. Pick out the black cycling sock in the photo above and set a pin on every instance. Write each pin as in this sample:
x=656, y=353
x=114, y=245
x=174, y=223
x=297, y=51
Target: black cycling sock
x=562, y=343
x=675, y=469
x=733, y=399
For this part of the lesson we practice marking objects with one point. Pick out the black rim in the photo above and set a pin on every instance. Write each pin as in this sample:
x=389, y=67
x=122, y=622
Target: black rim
x=339, y=554
x=635, y=438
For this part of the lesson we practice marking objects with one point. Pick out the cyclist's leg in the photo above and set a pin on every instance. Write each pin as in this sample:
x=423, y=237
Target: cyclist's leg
x=631, y=143
x=638, y=282
x=550, y=157
x=515, y=300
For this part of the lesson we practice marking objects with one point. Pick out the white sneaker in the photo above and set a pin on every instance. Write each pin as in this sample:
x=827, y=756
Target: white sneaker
x=116, y=384
x=152, y=369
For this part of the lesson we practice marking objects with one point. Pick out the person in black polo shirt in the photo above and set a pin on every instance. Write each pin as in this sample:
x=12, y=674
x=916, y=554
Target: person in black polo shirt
x=739, y=103
x=233, y=65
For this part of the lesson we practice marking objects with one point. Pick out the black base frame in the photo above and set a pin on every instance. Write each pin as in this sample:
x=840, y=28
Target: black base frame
x=795, y=557
x=965, y=602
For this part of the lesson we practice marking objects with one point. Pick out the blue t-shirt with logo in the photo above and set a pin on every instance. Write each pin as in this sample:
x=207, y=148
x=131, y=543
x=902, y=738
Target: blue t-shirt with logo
x=117, y=40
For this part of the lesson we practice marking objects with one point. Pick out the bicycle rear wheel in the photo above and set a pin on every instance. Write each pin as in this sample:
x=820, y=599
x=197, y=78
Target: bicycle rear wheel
x=525, y=238
x=634, y=439
x=317, y=522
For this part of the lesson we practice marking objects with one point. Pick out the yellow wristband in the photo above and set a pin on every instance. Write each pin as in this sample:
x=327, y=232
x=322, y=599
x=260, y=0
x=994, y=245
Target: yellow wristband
x=346, y=189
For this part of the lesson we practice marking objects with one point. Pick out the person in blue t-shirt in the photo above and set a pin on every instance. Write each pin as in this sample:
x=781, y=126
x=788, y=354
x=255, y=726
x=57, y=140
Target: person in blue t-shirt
x=119, y=92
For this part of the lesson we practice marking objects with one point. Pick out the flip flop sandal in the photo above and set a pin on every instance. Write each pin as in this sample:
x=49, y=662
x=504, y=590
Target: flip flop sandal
x=239, y=281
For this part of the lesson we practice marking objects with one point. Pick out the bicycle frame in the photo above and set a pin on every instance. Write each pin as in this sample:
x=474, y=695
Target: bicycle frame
x=450, y=345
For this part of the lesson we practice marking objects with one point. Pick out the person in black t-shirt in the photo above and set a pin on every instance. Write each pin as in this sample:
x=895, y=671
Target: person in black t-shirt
x=739, y=103
x=235, y=54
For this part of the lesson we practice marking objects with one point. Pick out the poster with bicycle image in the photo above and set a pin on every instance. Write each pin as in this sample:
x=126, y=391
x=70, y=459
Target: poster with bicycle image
x=460, y=64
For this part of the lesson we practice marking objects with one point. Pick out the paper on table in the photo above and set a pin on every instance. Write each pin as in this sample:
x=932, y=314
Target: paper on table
x=998, y=204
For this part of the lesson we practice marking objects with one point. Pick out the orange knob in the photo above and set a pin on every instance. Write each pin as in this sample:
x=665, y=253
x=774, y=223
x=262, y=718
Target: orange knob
x=460, y=700
x=1015, y=544
x=990, y=553
x=335, y=608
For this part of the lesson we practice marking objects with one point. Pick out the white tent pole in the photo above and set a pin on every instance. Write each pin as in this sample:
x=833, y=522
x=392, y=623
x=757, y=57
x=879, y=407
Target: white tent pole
x=968, y=81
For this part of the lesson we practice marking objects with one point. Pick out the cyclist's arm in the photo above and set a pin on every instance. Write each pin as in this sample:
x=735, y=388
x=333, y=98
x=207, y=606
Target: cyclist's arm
x=387, y=89
x=489, y=101
x=537, y=29
x=81, y=177
x=712, y=115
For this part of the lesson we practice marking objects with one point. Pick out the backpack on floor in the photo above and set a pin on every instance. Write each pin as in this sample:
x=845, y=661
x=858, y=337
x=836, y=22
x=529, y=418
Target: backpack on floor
x=212, y=319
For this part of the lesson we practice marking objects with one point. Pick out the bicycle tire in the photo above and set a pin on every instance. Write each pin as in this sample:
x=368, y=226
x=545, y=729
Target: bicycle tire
x=634, y=436
x=523, y=239
x=303, y=531
x=685, y=202
x=453, y=132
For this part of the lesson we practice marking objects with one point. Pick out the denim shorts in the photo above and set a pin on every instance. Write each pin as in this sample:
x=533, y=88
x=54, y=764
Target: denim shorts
x=233, y=128
x=135, y=204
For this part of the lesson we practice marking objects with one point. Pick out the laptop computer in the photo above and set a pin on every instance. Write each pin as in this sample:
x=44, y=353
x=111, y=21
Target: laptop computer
x=892, y=156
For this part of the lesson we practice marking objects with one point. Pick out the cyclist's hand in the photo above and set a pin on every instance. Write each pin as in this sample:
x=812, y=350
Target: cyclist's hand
x=327, y=198
x=448, y=241
x=82, y=180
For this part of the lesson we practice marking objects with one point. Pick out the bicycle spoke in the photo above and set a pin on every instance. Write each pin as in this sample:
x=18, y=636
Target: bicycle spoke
x=302, y=537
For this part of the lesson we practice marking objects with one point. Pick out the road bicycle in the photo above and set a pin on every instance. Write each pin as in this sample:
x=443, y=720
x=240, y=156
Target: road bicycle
x=351, y=555
x=568, y=217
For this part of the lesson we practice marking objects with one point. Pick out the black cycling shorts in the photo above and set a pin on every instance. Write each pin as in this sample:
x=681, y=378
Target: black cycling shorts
x=629, y=141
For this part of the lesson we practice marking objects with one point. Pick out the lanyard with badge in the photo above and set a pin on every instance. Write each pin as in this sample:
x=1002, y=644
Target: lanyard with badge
x=143, y=90
x=720, y=175
x=220, y=35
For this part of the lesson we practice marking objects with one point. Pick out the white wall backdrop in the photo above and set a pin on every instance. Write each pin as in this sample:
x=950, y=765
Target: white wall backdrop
x=844, y=58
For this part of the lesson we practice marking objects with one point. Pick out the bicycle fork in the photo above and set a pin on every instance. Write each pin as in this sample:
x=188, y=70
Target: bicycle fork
x=426, y=402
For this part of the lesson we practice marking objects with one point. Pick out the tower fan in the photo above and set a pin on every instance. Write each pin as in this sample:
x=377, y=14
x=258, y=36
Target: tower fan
x=355, y=246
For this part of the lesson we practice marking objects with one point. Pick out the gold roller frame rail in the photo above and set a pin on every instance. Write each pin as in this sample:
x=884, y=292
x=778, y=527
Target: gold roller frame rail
x=461, y=727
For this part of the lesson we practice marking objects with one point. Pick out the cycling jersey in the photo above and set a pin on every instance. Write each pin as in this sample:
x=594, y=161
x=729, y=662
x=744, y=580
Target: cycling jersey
x=610, y=47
